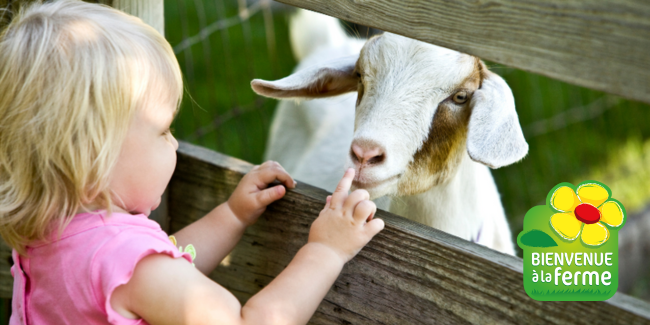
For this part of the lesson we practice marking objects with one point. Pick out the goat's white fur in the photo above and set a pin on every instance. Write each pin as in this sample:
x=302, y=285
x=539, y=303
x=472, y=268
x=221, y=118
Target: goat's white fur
x=405, y=83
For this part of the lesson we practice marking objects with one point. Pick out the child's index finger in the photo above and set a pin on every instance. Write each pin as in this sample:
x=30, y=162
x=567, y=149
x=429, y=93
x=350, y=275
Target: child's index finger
x=346, y=182
x=341, y=192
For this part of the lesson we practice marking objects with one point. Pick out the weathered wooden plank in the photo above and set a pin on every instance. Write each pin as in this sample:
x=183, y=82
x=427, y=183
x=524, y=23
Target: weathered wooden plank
x=150, y=11
x=408, y=274
x=5, y=12
x=602, y=44
x=6, y=281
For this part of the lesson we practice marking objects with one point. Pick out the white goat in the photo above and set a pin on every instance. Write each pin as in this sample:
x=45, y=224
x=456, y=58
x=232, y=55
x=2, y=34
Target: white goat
x=428, y=120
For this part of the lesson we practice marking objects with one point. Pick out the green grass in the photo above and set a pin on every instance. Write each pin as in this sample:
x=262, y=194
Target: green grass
x=571, y=295
x=571, y=291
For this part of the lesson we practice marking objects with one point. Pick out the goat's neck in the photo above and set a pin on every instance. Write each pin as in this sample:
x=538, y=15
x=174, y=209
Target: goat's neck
x=456, y=206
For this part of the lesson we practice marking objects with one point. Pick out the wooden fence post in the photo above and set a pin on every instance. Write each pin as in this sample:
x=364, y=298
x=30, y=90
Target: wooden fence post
x=150, y=11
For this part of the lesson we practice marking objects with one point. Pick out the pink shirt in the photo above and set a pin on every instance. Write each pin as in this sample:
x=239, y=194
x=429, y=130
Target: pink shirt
x=70, y=280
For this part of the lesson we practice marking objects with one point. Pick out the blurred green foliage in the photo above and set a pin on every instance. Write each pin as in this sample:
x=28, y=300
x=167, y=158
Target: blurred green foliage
x=574, y=134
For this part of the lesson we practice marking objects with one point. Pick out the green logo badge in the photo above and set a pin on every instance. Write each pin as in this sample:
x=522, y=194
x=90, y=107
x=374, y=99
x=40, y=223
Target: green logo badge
x=571, y=244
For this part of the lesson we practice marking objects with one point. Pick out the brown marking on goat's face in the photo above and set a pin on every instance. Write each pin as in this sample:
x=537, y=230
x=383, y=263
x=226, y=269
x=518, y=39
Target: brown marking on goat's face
x=438, y=158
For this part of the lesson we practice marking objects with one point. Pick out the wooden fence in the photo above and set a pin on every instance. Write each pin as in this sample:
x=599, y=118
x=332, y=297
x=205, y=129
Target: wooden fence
x=408, y=274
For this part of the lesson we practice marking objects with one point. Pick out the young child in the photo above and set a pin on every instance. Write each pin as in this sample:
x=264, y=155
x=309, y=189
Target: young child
x=87, y=97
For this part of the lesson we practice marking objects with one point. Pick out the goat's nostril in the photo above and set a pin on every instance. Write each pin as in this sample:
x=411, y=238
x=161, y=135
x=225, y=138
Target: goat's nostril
x=354, y=156
x=357, y=153
x=377, y=159
x=367, y=156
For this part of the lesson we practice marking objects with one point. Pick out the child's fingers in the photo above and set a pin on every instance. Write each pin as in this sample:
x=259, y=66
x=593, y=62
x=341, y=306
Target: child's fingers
x=341, y=192
x=374, y=227
x=271, y=171
x=363, y=210
x=327, y=201
x=371, y=216
x=269, y=195
x=354, y=198
x=289, y=181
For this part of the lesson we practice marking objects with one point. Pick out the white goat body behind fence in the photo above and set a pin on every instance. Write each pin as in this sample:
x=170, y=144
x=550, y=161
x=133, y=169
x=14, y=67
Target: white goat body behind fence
x=428, y=120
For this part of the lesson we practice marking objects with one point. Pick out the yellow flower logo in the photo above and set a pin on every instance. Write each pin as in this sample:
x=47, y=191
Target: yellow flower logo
x=585, y=212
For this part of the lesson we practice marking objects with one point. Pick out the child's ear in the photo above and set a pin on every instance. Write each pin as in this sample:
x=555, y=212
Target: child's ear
x=325, y=80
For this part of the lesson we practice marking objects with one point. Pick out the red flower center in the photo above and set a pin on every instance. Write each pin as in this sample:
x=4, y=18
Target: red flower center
x=587, y=213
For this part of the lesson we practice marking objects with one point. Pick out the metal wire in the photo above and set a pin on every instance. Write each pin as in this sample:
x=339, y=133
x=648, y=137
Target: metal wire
x=572, y=116
x=225, y=117
x=218, y=25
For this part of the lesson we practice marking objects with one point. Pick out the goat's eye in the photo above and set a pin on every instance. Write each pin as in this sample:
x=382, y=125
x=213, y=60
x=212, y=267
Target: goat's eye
x=358, y=75
x=460, y=97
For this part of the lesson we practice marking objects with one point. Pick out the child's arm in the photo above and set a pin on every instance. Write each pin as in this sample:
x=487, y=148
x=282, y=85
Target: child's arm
x=216, y=234
x=170, y=291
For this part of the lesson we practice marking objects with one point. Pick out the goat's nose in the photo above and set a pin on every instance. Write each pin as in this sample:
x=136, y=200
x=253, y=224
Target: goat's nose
x=367, y=153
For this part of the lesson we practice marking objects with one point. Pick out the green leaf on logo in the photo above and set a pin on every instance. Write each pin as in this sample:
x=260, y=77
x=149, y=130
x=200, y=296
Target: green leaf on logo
x=537, y=238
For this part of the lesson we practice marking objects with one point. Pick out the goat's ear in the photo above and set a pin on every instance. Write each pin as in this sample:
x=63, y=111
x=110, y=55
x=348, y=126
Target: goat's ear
x=495, y=137
x=325, y=80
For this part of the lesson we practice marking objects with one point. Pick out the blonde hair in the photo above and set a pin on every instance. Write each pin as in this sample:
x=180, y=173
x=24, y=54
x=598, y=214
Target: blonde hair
x=72, y=74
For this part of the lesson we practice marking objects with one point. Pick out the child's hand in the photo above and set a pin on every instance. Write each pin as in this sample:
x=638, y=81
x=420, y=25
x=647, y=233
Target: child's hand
x=346, y=223
x=251, y=196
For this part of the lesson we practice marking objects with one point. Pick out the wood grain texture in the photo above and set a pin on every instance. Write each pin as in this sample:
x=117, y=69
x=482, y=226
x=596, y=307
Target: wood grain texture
x=6, y=281
x=5, y=12
x=601, y=44
x=151, y=12
x=408, y=274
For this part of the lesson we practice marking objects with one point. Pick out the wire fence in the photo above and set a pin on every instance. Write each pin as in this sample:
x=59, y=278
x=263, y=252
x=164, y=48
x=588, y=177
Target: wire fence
x=221, y=46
